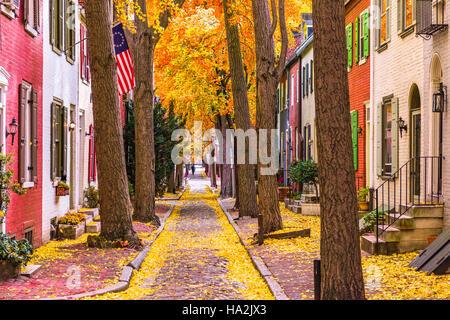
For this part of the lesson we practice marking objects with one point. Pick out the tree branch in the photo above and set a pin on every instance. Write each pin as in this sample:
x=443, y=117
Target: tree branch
x=284, y=40
x=274, y=17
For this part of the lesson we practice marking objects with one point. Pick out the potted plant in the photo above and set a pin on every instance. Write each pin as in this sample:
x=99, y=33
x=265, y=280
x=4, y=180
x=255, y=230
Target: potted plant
x=71, y=225
x=363, y=194
x=62, y=189
x=13, y=255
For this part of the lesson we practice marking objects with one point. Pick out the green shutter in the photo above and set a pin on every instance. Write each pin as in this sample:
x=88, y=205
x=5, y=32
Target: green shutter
x=65, y=142
x=350, y=44
x=355, y=138
x=379, y=140
x=366, y=32
x=395, y=138
x=54, y=141
x=357, y=40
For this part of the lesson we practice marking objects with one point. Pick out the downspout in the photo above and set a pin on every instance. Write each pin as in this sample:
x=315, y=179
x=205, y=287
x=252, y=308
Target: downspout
x=372, y=102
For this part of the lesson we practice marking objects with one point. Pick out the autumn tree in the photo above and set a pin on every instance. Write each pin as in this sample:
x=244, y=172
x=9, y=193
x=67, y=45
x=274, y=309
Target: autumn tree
x=147, y=33
x=112, y=178
x=340, y=252
x=268, y=75
x=248, y=205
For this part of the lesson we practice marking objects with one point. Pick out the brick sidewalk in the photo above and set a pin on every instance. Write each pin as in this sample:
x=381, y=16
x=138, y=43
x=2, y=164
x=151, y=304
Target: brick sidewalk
x=70, y=267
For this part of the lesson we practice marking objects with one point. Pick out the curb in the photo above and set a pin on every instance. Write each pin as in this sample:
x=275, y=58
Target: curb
x=258, y=262
x=172, y=199
x=127, y=271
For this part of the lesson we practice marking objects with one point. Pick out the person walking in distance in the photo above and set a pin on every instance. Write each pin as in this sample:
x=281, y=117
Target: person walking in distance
x=193, y=169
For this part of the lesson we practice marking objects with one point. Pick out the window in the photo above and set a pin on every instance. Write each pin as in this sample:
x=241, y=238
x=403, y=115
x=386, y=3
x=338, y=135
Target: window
x=29, y=235
x=406, y=14
x=57, y=23
x=383, y=21
x=438, y=8
x=387, y=137
x=31, y=16
x=362, y=32
x=59, y=141
x=28, y=142
x=69, y=30
x=84, y=56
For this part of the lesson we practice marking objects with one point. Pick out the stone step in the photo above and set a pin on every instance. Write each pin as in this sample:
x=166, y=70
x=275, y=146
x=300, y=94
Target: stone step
x=369, y=244
x=390, y=234
x=93, y=227
x=412, y=245
x=401, y=222
x=30, y=270
x=428, y=222
x=419, y=234
x=425, y=211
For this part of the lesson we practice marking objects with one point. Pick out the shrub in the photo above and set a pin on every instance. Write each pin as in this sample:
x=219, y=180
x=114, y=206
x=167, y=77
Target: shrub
x=91, y=197
x=7, y=184
x=370, y=220
x=72, y=218
x=16, y=251
x=305, y=172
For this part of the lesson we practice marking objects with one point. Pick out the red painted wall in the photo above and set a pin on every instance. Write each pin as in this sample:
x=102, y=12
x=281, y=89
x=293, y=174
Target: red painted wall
x=359, y=89
x=21, y=56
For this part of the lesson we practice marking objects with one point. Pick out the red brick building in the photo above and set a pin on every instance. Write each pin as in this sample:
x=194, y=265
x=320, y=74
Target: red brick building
x=357, y=21
x=21, y=63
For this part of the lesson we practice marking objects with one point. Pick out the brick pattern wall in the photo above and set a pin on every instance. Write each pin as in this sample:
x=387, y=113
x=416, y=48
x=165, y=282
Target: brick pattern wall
x=21, y=56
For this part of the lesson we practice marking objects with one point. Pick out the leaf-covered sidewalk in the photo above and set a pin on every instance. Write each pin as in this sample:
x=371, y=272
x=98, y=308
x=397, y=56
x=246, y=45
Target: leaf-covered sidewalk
x=70, y=267
x=291, y=262
x=197, y=256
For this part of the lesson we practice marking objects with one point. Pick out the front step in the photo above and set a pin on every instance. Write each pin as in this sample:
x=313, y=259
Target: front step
x=369, y=244
x=425, y=211
x=295, y=208
x=390, y=234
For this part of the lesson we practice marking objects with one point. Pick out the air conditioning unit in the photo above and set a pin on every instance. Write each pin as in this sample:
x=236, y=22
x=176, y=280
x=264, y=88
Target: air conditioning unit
x=12, y=4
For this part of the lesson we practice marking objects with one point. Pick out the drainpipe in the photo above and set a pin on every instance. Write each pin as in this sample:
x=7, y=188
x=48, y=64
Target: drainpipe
x=372, y=102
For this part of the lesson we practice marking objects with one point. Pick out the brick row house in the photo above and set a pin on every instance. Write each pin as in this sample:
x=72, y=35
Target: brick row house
x=45, y=88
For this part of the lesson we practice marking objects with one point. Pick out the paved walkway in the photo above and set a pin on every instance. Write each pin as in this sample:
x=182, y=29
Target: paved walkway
x=198, y=256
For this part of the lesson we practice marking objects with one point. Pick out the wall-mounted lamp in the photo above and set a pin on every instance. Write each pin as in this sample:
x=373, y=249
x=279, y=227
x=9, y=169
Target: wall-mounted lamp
x=360, y=131
x=72, y=125
x=87, y=134
x=12, y=129
x=440, y=99
x=402, y=126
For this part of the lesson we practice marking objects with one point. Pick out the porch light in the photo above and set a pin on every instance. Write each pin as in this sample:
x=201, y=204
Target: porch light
x=402, y=126
x=12, y=129
x=440, y=99
x=72, y=125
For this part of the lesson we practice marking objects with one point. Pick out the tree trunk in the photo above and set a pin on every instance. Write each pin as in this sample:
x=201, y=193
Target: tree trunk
x=112, y=178
x=179, y=176
x=236, y=179
x=226, y=183
x=341, y=271
x=171, y=182
x=247, y=201
x=267, y=78
x=143, y=54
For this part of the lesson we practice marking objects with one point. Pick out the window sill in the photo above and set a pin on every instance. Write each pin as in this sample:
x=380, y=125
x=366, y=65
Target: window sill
x=27, y=185
x=382, y=47
x=362, y=61
x=31, y=31
x=57, y=50
x=85, y=82
x=70, y=60
x=10, y=14
x=407, y=32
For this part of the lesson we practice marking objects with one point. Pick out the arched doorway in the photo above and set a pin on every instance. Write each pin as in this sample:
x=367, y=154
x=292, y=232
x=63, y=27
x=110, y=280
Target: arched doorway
x=415, y=139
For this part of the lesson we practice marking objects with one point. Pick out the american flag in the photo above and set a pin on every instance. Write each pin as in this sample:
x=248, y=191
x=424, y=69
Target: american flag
x=125, y=70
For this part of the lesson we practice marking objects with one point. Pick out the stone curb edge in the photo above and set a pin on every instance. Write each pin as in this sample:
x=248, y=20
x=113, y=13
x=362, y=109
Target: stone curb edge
x=258, y=262
x=172, y=199
x=127, y=271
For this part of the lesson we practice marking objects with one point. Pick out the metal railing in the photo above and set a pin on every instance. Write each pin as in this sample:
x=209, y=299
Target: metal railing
x=417, y=183
x=430, y=18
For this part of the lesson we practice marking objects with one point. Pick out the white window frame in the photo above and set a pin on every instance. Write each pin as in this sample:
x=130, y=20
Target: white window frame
x=362, y=59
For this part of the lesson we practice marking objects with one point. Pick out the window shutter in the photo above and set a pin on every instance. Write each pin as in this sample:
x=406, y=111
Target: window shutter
x=379, y=142
x=288, y=89
x=303, y=82
x=366, y=34
x=307, y=80
x=357, y=40
x=355, y=138
x=304, y=144
x=388, y=20
x=26, y=12
x=395, y=140
x=53, y=21
x=377, y=24
x=311, y=76
x=22, y=130
x=54, y=141
x=400, y=16
x=66, y=30
x=91, y=151
x=64, y=144
x=37, y=16
x=82, y=52
x=61, y=24
x=34, y=136
x=94, y=164
x=350, y=44
x=309, y=145
x=414, y=9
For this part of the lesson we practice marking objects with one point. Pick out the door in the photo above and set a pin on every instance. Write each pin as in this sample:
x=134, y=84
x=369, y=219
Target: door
x=415, y=154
